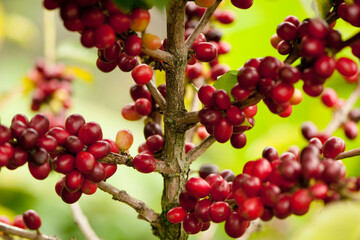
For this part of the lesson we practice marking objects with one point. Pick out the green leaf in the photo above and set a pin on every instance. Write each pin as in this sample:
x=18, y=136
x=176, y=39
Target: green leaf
x=227, y=82
x=323, y=7
x=127, y=5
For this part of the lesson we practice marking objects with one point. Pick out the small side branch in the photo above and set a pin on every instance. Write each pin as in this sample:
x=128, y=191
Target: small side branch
x=126, y=159
x=145, y=212
x=196, y=152
x=11, y=230
x=340, y=116
x=160, y=55
x=348, y=154
x=156, y=95
x=201, y=25
x=82, y=222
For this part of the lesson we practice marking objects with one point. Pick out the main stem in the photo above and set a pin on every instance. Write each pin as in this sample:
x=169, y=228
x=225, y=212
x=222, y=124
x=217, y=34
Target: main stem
x=173, y=152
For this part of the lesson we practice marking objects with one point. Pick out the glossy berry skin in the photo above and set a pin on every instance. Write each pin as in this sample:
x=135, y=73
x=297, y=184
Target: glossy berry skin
x=99, y=149
x=133, y=45
x=300, y=202
x=248, y=78
x=176, y=215
x=144, y=163
x=90, y=132
x=197, y=187
x=32, y=219
x=210, y=116
x=187, y=201
x=143, y=106
x=119, y=22
x=48, y=143
x=269, y=194
x=243, y=4
x=219, y=211
x=28, y=139
x=73, y=180
x=205, y=94
x=140, y=19
x=84, y=162
x=205, y=52
x=286, y=31
x=73, y=123
x=155, y=143
x=282, y=92
x=191, y=224
x=88, y=187
x=40, y=123
x=73, y=144
x=235, y=225
x=63, y=163
x=282, y=208
x=238, y=140
x=223, y=131
x=104, y=36
x=319, y=190
x=346, y=67
x=329, y=97
x=268, y=67
x=221, y=99
x=127, y=63
x=333, y=146
x=351, y=129
x=70, y=197
x=325, y=66
x=201, y=210
x=5, y=134
x=142, y=74
x=59, y=134
x=251, y=209
x=124, y=139
x=261, y=169
x=220, y=190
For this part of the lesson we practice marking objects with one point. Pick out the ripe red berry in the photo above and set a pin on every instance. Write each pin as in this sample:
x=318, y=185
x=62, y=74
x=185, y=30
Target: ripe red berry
x=120, y=22
x=191, y=224
x=300, y=202
x=238, y=140
x=104, y=36
x=144, y=163
x=205, y=52
x=221, y=99
x=235, y=225
x=84, y=162
x=261, y=169
x=282, y=92
x=155, y=143
x=176, y=215
x=73, y=180
x=90, y=132
x=346, y=67
x=351, y=129
x=133, y=45
x=287, y=31
x=88, y=187
x=219, y=211
x=143, y=106
x=201, y=210
x=32, y=219
x=40, y=123
x=329, y=97
x=40, y=172
x=248, y=78
x=243, y=4
x=223, y=131
x=127, y=63
x=197, y=187
x=142, y=74
x=251, y=209
x=333, y=146
x=220, y=190
x=205, y=94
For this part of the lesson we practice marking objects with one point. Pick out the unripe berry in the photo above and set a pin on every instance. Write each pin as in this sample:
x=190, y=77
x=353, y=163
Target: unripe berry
x=124, y=139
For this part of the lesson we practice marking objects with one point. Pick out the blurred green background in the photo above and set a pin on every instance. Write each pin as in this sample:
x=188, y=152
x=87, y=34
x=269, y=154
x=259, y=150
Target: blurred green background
x=21, y=42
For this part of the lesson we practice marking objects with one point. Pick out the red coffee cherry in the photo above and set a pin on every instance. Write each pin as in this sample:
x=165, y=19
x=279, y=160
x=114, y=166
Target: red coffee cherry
x=235, y=225
x=104, y=36
x=251, y=209
x=142, y=74
x=191, y=224
x=333, y=146
x=243, y=4
x=176, y=215
x=144, y=163
x=201, y=210
x=197, y=187
x=90, y=132
x=133, y=45
x=205, y=52
x=300, y=202
x=32, y=219
x=219, y=211
x=346, y=67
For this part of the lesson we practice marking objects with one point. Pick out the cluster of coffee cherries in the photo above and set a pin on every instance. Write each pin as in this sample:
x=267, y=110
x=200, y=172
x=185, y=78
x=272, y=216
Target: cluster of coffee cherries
x=270, y=186
x=104, y=26
x=315, y=40
x=29, y=219
x=81, y=146
x=222, y=119
x=52, y=90
x=144, y=104
x=208, y=45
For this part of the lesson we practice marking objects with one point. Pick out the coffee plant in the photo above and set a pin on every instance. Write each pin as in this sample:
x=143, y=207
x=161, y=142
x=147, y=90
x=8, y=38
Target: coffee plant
x=222, y=109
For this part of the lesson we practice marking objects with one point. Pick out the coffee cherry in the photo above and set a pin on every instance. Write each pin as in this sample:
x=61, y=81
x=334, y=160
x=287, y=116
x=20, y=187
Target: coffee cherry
x=140, y=19
x=219, y=70
x=40, y=123
x=269, y=67
x=275, y=40
x=205, y=94
x=187, y=201
x=152, y=128
x=73, y=144
x=223, y=131
x=90, y=132
x=311, y=48
x=73, y=180
x=290, y=169
x=251, y=209
x=235, y=116
x=70, y=197
x=300, y=202
x=29, y=139
x=144, y=163
x=59, y=134
x=193, y=71
x=120, y=22
x=210, y=116
x=235, y=225
x=105, y=66
x=110, y=169
x=228, y=175
x=319, y=190
x=17, y=128
x=197, y=187
x=127, y=63
x=129, y=112
x=261, y=169
x=309, y=130
x=205, y=3
x=269, y=194
x=282, y=208
x=155, y=143
x=248, y=78
x=201, y=210
x=346, y=67
x=351, y=129
x=142, y=74
x=205, y=52
x=88, y=187
x=40, y=172
x=252, y=186
x=289, y=74
x=143, y=106
x=282, y=92
x=73, y=123
x=219, y=190
x=38, y=156
x=98, y=173
x=286, y=31
x=221, y=99
x=104, y=36
x=176, y=215
x=207, y=169
x=191, y=224
x=124, y=139
x=84, y=162
x=243, y=4
x=238, y=140
x=133, y=45
x=317, y=28
x=329, y=97
x=333, y=146
x=99, y=149
x=20, y=157
x=270, y=153
x=219, y=211
x=32, y=219
x=48, y=143
x=325, y=66
x=64, y=163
